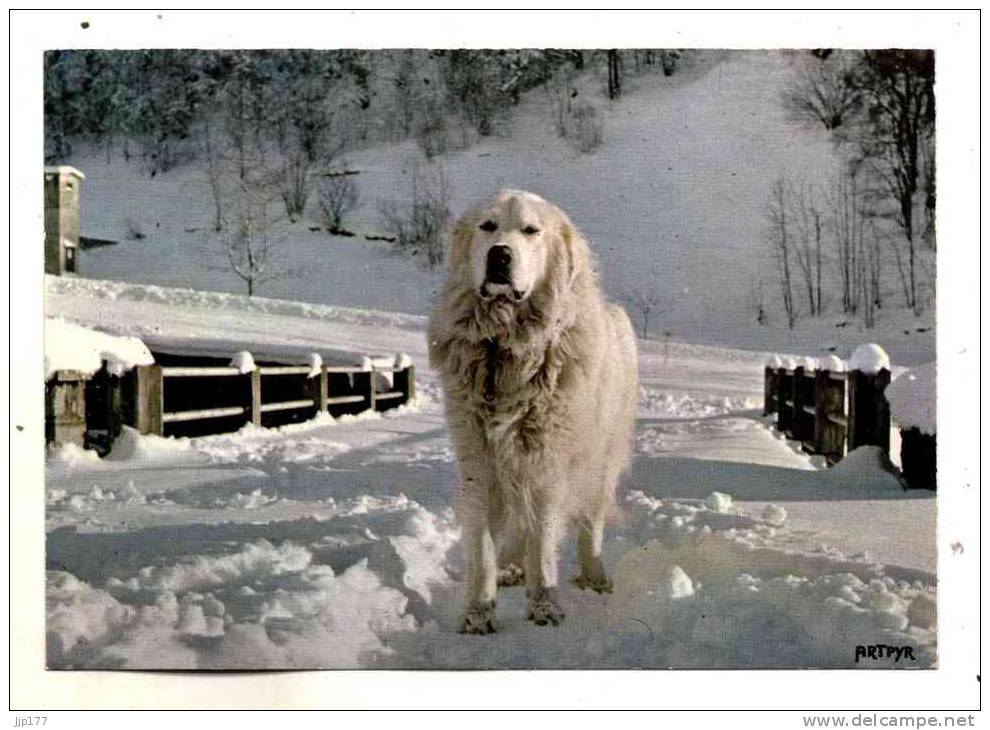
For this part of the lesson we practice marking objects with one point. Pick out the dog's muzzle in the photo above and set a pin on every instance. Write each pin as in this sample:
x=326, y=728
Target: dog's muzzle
x=498, y=275
x=498, y=266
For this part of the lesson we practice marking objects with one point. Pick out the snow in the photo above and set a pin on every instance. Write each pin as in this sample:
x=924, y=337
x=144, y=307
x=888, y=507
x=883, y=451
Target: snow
x=218, y=325
x=807, y=363
x=869, y=358
x=332, y=543
x=912, y=399
x=69, y=346
x=719, y=502
x=402, y=361
x=833, y=364
x=243, y=361
x=774, y=514
x=774, y=362
x=315, y=365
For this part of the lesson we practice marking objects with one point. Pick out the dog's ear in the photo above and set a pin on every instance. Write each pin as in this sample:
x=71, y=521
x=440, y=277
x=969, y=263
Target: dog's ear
x=460, y=243
x=575, y=251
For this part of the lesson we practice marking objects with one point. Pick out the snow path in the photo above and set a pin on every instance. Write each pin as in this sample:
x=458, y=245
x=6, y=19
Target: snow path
x=331, y=544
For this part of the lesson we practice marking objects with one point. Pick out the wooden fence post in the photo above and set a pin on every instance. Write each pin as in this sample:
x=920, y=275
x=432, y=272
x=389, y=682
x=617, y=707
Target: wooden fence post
x=821, y=412
x=256, y=397
x=797, y=419
x=918, y=458
x=869, y=412
x=65, y=407
x=410, y=383
x=784, y=386
x=371, y=388
x=769, y=390
x=150, y=399
x=405, y=383
x=104, y=410
x=324, y=390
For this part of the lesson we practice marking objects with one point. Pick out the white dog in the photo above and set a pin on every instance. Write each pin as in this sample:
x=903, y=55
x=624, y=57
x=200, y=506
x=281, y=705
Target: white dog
x=539, y=375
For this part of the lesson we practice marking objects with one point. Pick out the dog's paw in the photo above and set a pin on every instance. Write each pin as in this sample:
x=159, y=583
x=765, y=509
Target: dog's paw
x=543, y=608
x=598, y=585
x=510, y=575
x=479, y=618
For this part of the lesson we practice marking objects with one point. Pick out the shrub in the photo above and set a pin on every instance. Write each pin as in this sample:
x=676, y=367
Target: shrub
x=585, y=127
x=338, y=195
x=419, y=225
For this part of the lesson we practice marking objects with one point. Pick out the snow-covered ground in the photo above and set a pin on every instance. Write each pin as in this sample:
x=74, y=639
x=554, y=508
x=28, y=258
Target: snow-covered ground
x=332, y=544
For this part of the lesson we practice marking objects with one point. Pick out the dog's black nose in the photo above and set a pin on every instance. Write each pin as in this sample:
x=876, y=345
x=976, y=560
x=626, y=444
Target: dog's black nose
x=499, y=264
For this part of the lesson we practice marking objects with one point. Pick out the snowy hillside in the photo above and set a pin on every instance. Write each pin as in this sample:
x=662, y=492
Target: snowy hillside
x=674, y=202
x=332, y=544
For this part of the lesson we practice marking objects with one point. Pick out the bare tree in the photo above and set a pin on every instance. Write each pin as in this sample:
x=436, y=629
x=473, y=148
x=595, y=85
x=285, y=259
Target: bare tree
x=757, y=301
x=614, y=63
x=848, y=219
x=645, y=302
x=874, y=264
x=250, y=250
x=214, y=174
x=560, y=87
x=897, y=136
x=781, y=242
x=865, y=286
x=821, y=92
x=337, y=197
x=808, y=248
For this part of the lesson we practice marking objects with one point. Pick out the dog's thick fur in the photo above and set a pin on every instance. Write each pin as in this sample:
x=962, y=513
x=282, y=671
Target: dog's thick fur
x=540, y=391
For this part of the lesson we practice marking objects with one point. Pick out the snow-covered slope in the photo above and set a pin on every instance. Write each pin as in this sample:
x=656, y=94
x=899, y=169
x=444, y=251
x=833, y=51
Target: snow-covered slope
x=332, y=544
x=167, y=319
x=673, y=202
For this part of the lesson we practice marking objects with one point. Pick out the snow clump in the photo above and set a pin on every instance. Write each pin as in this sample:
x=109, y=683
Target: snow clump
x=833, y=364
x=243, y=361
x=719, y=502
x=869, y=358
x=315, y=365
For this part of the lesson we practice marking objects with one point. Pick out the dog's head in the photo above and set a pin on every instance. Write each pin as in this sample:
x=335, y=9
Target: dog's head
x=519, y=273
x=515, y=248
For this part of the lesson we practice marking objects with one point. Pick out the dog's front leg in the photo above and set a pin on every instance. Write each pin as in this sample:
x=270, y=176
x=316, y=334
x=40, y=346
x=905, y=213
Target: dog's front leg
x=541, y=565
x=479, y=550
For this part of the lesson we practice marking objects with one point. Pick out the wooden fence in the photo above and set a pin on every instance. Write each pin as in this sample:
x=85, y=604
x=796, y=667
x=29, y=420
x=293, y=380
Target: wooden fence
x=169, y=396
x=832, y=413
x=181, y=400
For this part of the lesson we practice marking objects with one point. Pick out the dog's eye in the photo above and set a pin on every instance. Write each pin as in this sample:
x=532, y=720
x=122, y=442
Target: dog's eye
x=531, y=230
x=489, y=226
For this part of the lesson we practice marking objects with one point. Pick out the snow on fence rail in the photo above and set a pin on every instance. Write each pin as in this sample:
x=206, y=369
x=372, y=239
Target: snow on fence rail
x=832, y=412
x=90, y=409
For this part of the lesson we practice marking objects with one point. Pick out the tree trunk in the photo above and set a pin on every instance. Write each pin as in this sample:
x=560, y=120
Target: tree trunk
x=614, y=75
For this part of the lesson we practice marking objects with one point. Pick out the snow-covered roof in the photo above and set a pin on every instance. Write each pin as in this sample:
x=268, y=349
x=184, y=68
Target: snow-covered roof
x=64, y=170
x=69, y=346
